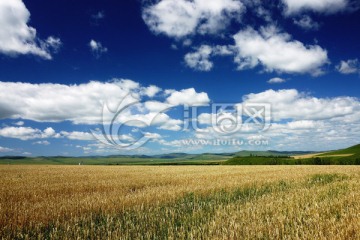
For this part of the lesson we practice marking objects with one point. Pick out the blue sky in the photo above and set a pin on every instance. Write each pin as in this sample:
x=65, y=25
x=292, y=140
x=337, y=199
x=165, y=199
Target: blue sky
x=117, y=77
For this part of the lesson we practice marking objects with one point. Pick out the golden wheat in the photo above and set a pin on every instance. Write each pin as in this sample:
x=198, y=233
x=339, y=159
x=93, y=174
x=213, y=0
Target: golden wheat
x=180, y=202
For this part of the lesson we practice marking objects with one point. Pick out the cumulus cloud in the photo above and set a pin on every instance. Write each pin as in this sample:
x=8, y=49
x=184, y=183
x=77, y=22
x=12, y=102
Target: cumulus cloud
x=291, y=104
x=349, y=66
x=95, y=103
x=299, y=120
x=171, y=124
x=76, y=135
x=16, y=37
x=156, y=106
x=45, y=142
x=276, y=80
x=97, y=17
x=187, y=42
x=19, y=123
x=188, y=97
x=173, y=47
x=150, y=135
x=277, y=52
x=27, y=133
x=57, y=102
x=5, y=149
x=200, y=59
x=179, y=18
x=321, y=6
x=52, y=43
x=303, y=124
x=151, y=91
x=97, y=48
x=306, y=23
x=261, y=9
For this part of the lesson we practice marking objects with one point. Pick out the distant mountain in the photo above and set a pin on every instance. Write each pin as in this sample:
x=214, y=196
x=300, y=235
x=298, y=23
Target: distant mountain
x=174, y=155
x=124, y=156
x=246, y=153
x=181, y=155
x=177, y=158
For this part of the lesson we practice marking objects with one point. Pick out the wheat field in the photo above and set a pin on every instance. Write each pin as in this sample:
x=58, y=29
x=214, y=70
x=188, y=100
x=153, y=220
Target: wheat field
x=179, y=202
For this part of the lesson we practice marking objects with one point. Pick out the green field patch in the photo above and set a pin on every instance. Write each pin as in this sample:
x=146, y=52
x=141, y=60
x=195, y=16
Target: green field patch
x=326, y=178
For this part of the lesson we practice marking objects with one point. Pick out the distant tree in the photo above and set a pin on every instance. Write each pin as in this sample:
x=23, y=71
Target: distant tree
x=317, y=161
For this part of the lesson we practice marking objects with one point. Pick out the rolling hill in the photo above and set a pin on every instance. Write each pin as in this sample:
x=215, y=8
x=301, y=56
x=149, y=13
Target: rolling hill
x=344, y=156
x=354, y=151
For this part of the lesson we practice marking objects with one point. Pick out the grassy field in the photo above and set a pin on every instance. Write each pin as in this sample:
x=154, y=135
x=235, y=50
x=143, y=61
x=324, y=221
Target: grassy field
x=179, y=202
x=348, y=156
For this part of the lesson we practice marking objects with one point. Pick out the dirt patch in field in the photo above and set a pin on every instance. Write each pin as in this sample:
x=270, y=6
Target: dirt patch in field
x=317, y=155
x=338, y=155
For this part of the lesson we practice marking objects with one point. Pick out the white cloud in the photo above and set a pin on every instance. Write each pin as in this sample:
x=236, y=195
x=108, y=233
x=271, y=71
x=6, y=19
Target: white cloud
x=156, y=106
x=188, y=97
x=95, y=103
x=199, y=59
x=159, y=119
x=49, y=132
x=98, y=16
x=205, y=118
x=187, y=42
x=97, y=48
x=307, y=23
x=260, y=9
x=45, y=142
x=52, y=43
x=179, y=18
x=5, y=149
x=291, y=104
x=19, y=123
x=151, y=91
x=173, y=47
x=16, y=37
x=50, y=102
x=321, y=6
x=276, y=80
x=277, y=52
x=223, y=50
x=305, y=135
x=171, y=125
x=168, y=91
x=150, y=135
x=75, y=135
x=299, y=122
x=26, y=133
x=303, y=124
x=349, y=66
x=221, y=121
x=101, y=139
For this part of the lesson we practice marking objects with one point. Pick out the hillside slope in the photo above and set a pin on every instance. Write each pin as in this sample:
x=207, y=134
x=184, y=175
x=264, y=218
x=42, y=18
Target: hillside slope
x=355, y=150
